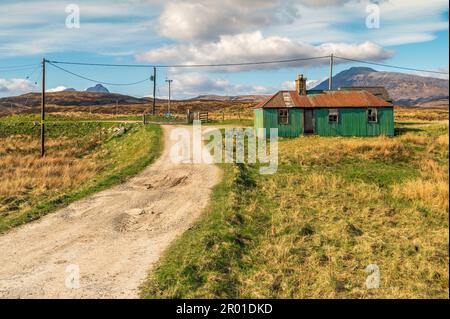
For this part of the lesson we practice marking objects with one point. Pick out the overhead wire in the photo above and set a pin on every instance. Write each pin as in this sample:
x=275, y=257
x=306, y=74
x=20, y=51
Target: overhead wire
x=391, y=66
x=188, y=65
x=98, y=81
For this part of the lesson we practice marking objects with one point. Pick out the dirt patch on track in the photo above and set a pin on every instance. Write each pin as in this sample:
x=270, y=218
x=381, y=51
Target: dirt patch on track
x=112, y=237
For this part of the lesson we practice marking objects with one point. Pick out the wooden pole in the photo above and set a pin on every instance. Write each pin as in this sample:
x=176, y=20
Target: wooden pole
x=330, y=77
x=43, y=109
x=168, y=101
x=170, y=81
x=154, y=91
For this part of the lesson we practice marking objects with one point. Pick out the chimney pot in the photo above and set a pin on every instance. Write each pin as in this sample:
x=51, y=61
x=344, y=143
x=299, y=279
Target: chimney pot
x=300, y=85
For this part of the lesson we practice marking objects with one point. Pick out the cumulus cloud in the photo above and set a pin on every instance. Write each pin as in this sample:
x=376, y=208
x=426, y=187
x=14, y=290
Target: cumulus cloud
x=204, y=19
x=313, y=21
x=191, y=84
x=57, y=89
x=252, y=47
x=111, y=26
x=16, y=86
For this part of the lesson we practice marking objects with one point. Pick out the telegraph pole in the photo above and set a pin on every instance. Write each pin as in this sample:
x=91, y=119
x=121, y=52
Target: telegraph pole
x=168, y=106
x=43, y=109
x=330, y=80
x=154, y=91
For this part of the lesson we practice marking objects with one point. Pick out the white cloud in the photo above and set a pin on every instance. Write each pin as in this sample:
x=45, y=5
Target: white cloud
x=313, y=21
x=207, y=20
x=57, y=89
x=126, y=26
x=251, y=47
x=16, y=86
x=192, y=84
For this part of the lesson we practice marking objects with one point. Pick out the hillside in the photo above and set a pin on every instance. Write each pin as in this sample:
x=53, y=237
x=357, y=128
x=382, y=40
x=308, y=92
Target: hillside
x=236, y=98
x=28, y=102
x=405, y=89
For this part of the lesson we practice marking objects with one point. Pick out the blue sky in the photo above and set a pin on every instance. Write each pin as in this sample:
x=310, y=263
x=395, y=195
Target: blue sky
x=410, y=33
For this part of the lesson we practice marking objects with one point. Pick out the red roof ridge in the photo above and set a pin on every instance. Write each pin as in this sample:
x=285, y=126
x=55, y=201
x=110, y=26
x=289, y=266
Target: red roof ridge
x=262, y=103
x=337, y=98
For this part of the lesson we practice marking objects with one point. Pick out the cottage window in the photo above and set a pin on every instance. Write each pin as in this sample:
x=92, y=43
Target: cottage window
x=283, y=116
x=372, y=115
x=333, y=116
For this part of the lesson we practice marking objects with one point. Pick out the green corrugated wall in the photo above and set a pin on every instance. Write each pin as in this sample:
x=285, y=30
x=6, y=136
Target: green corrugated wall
x=385, y=125
x=352, y=122
x=293, y=129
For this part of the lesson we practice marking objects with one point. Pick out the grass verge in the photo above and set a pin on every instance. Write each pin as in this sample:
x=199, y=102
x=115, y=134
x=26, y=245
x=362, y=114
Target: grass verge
x=82, y=158
x=335, y=206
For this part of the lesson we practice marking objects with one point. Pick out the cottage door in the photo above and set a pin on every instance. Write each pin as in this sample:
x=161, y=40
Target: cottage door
x=308, y=122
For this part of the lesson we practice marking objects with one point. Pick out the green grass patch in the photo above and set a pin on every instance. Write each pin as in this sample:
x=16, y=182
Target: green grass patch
x=335, y=206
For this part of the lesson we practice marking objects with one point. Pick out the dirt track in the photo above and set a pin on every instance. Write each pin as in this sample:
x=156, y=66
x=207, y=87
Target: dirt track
x=113, y=237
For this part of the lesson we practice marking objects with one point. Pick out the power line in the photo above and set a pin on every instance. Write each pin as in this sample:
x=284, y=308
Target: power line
x=245, y=64
x=35, y=69
x=188, y=65
x=97, y=81
x=391, y=66
x=17, y=66
x=17, y=69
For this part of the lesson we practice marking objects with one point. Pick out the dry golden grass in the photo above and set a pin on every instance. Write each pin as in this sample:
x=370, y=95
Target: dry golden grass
x=26, y=176
x=431, y=190
x=414, y=139
x=429, y=193
x=81, y=158
x=332, y=150
x=443, y=140
x=335, y=206
x=325, y=231
x=407, y=114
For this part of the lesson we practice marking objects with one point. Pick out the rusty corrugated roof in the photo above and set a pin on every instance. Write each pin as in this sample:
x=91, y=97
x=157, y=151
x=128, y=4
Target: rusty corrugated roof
x=379, y=91
x=326, y=99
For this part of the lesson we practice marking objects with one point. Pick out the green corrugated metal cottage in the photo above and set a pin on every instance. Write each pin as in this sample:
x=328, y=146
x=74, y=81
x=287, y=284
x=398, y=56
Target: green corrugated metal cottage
x=326, y=113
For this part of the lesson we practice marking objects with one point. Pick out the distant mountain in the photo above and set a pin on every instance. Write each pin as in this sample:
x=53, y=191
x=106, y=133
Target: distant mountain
x=69, y=98
x=97, y=89
x=237, y=98
x=69, y=90
x=404, y=89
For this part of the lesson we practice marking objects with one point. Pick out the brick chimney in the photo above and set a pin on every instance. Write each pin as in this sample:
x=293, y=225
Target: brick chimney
x=300, y=85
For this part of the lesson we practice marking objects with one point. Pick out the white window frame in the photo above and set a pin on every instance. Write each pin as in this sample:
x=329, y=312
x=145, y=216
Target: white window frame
x=285, y=118
x=333, y=112
x=373, y=111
